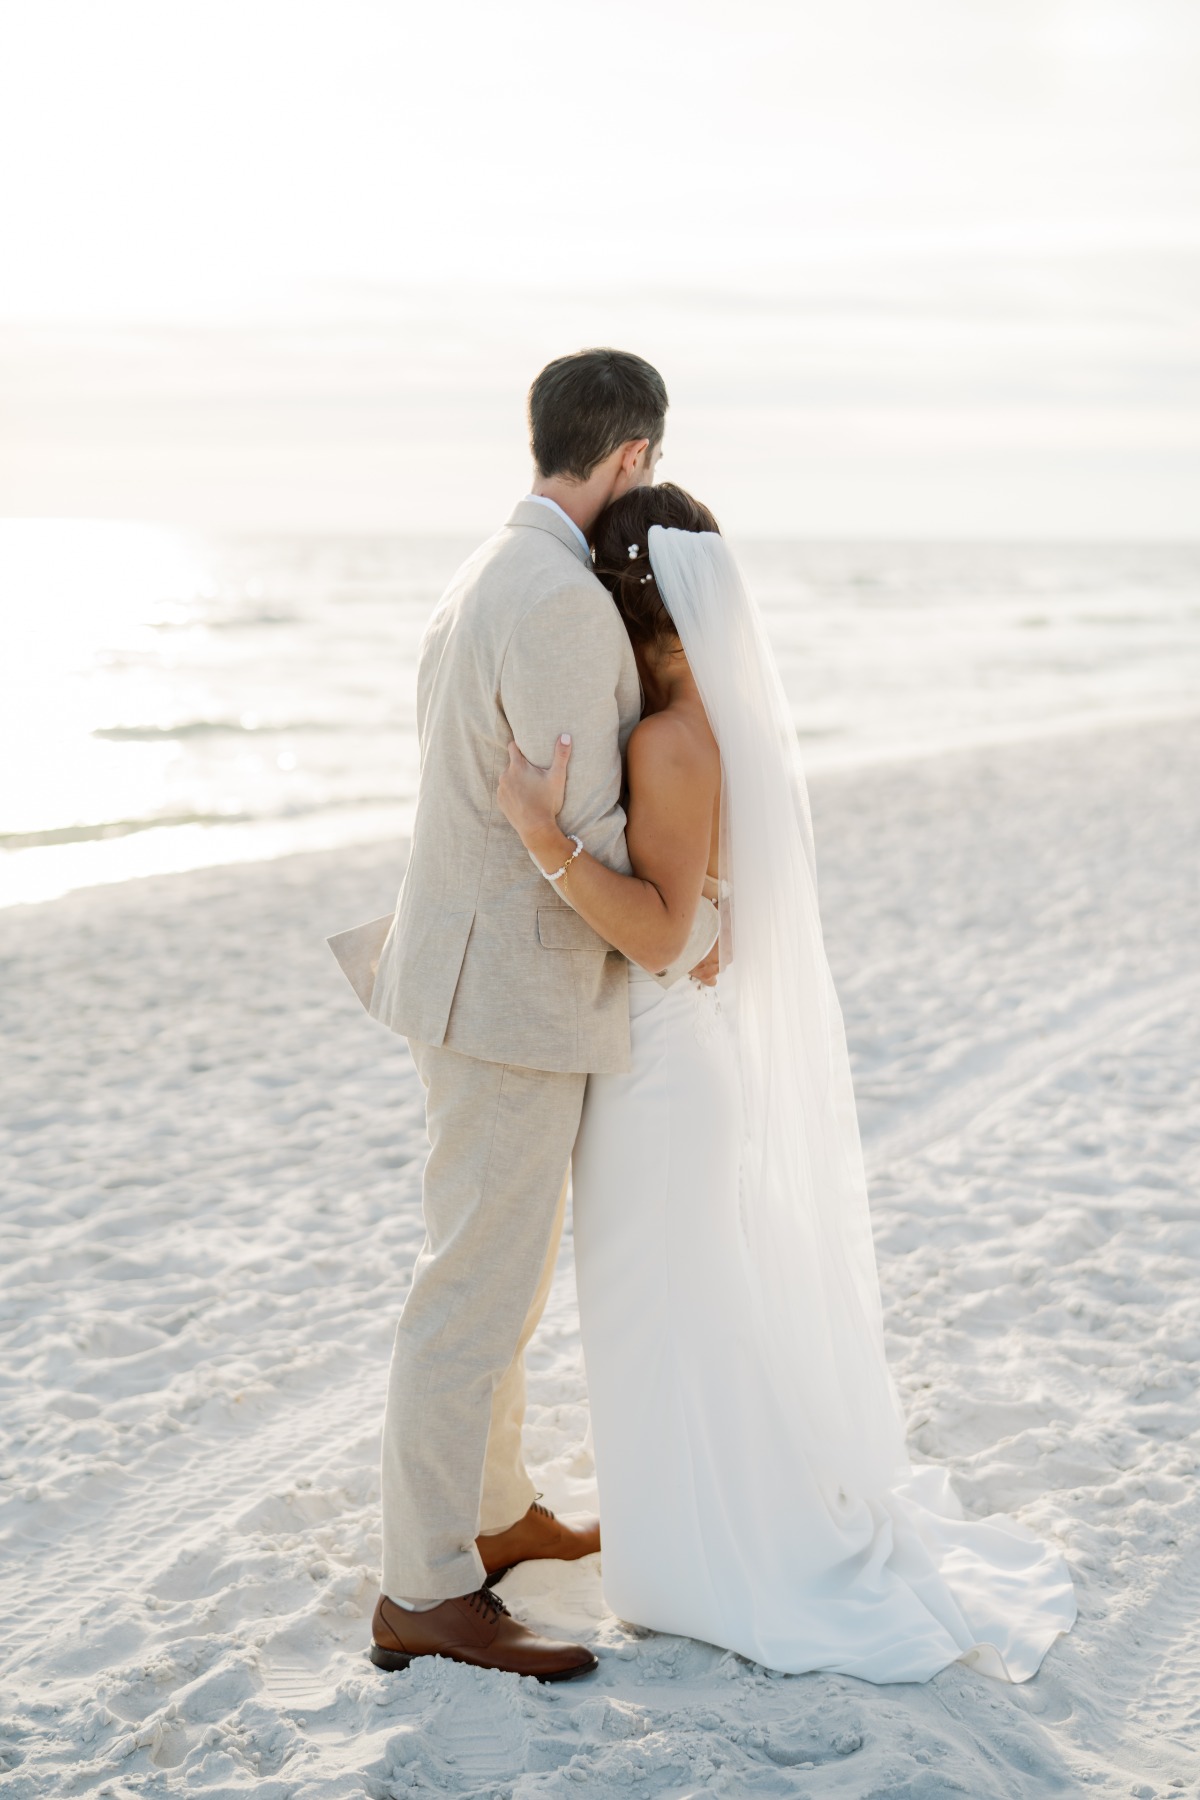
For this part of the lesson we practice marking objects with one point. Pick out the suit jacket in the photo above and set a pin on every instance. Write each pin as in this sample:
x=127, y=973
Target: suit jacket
x=482, y=954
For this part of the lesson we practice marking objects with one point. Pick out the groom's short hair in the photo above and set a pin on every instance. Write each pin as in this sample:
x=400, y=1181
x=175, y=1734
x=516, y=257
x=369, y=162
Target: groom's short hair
x=584, y=406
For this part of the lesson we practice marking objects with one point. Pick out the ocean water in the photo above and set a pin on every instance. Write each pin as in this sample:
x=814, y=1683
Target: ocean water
x=172, y=700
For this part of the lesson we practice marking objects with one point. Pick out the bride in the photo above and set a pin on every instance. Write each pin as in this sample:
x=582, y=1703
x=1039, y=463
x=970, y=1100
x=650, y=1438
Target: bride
x=755, y=1488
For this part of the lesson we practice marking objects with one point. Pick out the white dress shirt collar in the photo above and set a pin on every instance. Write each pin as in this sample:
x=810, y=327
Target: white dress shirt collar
x=545, y=500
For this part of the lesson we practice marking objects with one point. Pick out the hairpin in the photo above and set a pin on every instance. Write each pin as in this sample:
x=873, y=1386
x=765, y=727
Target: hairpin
x=645, y=579
x=633, y=552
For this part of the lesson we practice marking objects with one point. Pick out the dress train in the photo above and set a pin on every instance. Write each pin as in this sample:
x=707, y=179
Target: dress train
x=718, y=1521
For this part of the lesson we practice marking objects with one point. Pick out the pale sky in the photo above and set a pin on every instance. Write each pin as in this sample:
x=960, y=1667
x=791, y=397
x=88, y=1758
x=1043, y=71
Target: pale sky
x=910, y=267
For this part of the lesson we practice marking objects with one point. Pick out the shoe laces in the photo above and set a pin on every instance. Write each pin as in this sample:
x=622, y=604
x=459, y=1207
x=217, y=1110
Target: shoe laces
x=486, y=1602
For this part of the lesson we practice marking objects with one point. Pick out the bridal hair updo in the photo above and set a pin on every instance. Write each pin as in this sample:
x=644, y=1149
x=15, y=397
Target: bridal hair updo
x=624, y=527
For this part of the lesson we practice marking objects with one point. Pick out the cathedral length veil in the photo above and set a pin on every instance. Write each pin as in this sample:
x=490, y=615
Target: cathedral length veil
x=748, y=1387
x=805, y=1225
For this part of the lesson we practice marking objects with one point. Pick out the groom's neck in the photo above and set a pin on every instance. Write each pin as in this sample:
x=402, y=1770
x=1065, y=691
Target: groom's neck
x=582, y=501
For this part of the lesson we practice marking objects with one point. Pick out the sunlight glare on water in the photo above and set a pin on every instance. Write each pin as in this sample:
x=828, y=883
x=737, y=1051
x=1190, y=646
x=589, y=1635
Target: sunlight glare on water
x=83, y=602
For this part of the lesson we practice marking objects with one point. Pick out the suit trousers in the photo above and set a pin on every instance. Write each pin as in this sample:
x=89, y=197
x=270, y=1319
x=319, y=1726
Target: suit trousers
x=493, y=1197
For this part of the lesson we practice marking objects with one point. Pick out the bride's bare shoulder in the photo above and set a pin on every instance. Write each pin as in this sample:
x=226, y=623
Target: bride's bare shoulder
x=673, y=743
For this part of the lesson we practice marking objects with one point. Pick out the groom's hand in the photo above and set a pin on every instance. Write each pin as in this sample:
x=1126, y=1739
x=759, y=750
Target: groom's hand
x=708, y=970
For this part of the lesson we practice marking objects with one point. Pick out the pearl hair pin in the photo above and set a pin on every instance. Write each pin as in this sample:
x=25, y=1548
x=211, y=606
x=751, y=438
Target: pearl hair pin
x=633, y=552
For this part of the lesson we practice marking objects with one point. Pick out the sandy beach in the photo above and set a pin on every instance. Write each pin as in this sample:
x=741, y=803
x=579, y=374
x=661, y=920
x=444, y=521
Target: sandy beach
x=210, y=1167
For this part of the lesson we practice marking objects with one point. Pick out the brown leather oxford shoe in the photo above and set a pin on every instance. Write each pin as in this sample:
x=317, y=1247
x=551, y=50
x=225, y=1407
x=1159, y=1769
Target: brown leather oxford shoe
x=538, y=1534
x=473, y=1628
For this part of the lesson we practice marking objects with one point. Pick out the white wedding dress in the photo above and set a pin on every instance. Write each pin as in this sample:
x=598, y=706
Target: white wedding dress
x=754, y=1487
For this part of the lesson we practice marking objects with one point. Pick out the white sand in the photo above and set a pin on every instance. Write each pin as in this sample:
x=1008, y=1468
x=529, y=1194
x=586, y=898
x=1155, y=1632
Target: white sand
x=210, y=1164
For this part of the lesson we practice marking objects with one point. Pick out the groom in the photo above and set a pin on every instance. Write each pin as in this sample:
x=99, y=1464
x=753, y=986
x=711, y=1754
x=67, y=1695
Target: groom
x=508, y=1000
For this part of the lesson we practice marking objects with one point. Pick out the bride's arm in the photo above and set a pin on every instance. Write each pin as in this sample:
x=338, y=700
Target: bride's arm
x=673, y=780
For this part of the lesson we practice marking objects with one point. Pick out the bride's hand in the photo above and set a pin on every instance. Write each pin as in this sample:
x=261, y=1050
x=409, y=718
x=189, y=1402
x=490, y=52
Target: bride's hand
x=531, y=798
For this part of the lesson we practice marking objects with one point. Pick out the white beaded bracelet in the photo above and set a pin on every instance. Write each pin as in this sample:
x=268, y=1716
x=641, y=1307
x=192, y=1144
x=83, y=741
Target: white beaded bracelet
x=577, y=851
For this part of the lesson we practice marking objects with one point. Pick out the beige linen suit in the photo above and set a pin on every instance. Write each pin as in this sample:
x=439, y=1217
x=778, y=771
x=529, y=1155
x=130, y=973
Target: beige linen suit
x=483, y=953
x=508, y=999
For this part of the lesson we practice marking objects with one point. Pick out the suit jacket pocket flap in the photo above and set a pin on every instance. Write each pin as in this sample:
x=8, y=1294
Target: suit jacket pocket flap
x=561, y=929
